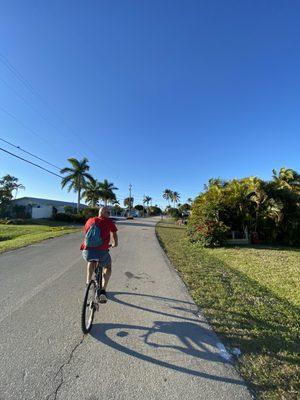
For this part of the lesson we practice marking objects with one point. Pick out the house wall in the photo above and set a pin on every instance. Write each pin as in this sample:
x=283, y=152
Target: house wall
x=42, y=212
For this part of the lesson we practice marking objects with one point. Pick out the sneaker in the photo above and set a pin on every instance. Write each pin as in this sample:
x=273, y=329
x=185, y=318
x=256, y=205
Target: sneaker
x=102, y=296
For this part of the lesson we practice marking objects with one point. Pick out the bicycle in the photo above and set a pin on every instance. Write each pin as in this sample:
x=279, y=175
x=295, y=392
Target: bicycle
x=91, y=302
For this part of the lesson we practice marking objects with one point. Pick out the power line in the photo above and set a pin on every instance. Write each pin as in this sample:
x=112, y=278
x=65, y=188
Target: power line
x=22, y=124
x=31, y=106
x=27, y=152
x=29, y=162
x=26, y=83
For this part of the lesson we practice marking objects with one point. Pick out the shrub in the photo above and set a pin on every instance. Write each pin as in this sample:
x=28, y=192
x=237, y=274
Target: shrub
x=209, y=233
x=79, y=219
x=154, y=210
x=63, y=217
x=174, y=212
x=75, y=218
x=70, y=209
x=90, y=212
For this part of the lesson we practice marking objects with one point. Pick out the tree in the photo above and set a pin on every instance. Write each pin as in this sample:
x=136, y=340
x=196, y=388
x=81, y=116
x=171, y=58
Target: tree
x=11, y=183
x=91, y=193
x=167, y=195
x=8, y=184
x=128, y=202
x=147, y=200
x=139, y=207
x=287, y=178
x=77, y=177
x=175, y=197
x=107, y=191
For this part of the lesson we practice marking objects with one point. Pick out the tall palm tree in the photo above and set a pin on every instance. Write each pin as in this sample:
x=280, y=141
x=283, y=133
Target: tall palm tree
x=107, y=191
x=11, y=183
x=147, y=200
x=167, y=195
x=128, y=202
x=77, y=176
x=189, y=200
x=286, y=178
x=175, y=198
x=92, y=192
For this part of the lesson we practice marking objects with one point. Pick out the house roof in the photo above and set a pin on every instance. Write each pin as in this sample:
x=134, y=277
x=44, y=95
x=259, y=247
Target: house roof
x=35, y=200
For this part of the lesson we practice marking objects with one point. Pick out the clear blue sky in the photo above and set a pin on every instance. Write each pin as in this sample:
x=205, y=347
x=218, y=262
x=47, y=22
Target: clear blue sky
x=162, y=94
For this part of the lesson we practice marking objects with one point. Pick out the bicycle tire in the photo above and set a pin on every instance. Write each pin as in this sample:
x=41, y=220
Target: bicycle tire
x=86, y=323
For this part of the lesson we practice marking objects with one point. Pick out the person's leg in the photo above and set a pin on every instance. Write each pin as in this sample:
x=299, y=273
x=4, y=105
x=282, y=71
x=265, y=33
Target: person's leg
x=90, y=268
x=105, y=276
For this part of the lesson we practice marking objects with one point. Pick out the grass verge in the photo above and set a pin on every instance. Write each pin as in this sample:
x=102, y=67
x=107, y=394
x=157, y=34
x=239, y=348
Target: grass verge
x=251, y=297
x=16, y=236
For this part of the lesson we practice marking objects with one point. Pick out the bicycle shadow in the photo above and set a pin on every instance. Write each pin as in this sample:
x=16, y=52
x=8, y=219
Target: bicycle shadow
x=185, y=307
x=170, y=344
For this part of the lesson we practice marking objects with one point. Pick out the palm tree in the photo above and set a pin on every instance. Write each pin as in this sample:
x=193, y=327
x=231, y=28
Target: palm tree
x=189, y=200
x=147, y=200
x=175, y=198
x=128, y=202
x=286, y=178
x=167, y=195
x=106, y=191
x=11, y=183
x=77, y=176
x=92, y=192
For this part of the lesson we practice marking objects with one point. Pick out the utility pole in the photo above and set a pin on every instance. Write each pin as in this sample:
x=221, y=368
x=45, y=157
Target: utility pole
x=130, y=187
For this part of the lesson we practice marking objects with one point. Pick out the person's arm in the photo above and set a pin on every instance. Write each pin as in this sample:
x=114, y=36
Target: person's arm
x=115, y=236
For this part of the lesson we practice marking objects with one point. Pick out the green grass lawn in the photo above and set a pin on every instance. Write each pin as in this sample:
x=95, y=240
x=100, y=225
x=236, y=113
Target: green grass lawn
x=251, y=296
x=15, y=236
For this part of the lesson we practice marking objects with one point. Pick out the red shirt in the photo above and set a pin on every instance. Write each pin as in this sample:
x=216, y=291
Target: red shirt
x=106, y=225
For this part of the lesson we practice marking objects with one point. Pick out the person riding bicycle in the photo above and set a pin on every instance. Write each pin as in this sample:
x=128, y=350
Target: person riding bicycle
x=104, y=226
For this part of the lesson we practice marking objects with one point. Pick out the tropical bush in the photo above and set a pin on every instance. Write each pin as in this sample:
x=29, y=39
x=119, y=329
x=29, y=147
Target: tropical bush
x=70, y=209
x=268, y=211
x=210, y=234
x=173, y=212
x=154, y=210
x=90, y=212
x=74, y=218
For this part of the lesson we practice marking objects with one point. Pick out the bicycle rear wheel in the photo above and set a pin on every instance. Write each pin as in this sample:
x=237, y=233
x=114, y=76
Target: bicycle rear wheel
x=88, y=307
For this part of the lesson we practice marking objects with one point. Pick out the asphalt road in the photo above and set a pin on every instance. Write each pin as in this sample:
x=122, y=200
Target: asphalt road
x=148, y=342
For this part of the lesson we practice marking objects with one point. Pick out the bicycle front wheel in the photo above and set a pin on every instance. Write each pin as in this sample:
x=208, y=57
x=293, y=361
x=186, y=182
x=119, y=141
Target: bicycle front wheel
x=88, y=307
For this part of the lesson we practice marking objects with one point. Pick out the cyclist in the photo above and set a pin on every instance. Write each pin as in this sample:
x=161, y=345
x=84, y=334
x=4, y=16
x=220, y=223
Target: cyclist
x=100, y=254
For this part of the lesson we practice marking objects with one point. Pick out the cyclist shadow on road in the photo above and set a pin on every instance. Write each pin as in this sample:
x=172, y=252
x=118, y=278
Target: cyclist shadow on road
x=184, y=342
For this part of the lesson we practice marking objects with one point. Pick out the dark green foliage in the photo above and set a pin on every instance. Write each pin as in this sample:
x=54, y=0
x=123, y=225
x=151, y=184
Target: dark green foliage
x=268, y=211
x=90, y=212
x=210, y=234
x=70, y=209
x=154, y=210
x=139, y=207
x=174, y=212
x=75, y=218
x=19, y=211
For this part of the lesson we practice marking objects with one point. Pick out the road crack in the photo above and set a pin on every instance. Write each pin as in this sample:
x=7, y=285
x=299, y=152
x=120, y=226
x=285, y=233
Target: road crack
x=60, y=371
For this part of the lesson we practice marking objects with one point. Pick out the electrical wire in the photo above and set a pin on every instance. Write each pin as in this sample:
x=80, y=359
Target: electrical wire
x=23, y=125
x=27, y=152
x=26, y=83
x=29, y=162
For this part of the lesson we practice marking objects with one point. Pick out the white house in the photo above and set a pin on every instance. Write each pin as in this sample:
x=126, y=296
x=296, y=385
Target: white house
x=43, y=208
